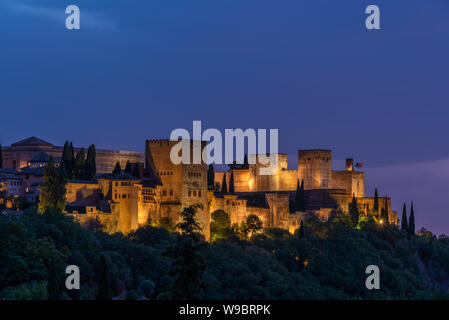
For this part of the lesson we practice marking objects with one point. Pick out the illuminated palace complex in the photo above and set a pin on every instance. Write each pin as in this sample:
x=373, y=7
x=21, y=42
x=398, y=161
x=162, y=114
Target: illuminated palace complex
x=123, y=202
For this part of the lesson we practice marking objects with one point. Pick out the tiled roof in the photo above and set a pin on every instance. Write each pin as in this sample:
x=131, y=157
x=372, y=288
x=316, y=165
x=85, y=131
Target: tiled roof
x=111, y=176
x=39, y=171
x=32, y=141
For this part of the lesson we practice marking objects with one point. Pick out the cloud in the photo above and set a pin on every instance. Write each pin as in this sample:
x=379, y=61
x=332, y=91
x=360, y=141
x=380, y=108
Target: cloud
x=88, y=19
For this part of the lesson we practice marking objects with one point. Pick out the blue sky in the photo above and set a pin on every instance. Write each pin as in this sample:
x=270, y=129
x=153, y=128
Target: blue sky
x=139, y=69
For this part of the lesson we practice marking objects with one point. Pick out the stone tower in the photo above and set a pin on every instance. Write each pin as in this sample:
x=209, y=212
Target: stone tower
x=182, y=184
x=315, y=167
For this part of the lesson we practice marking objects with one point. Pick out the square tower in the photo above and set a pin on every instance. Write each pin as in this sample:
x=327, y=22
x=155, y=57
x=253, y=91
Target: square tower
x=315, y=168
x=183, y=185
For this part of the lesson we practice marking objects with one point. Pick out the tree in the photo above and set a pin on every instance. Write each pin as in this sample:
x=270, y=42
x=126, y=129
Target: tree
x=128, y=167
x=224, y=186
x=91, y=166
x=1, y=157
x=71, y=160
x=187, y=268
x=104, y=291
x=166, y=223
x=189, y=226
x=67, y=160
x=80, y=166
x=210, y=177
x=354, y=212
x=376, y=202
x=52, y=282
x=385, y=212
x=404, y=224
x=117, y=169
x=302, y=231
x=53, y=188
x=231, y=183
x=245, y=162
x=187, y=265
x=299, y=197
x=251, y=226
x=136, y=171
x=220, y=225
x=411, y=222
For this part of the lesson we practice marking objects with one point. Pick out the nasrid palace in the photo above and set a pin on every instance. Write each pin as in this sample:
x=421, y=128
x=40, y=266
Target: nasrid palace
x=123, y=202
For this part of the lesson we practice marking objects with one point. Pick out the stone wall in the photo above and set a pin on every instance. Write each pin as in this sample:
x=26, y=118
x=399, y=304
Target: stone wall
x=351, y=181
x=315, y=167
x=183, y=185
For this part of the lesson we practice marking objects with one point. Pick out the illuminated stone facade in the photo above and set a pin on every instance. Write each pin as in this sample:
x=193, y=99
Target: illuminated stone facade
x=19, y=155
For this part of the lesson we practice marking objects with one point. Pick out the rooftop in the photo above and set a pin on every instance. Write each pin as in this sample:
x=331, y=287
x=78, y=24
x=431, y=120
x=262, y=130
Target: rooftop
x=32, y=141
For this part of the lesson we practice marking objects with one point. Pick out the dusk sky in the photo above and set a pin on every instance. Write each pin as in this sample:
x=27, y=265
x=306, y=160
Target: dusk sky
x=137, y=69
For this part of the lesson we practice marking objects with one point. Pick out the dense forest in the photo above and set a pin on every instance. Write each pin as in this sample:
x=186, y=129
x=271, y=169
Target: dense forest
x=323, y=260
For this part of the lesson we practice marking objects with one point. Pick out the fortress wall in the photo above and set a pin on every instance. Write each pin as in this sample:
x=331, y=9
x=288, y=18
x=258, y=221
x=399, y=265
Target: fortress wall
x=19, y=157
x=358, y=183
x=351, y=181
x=315, y=167
x=263, y=214
x=288, y=180
x=234, y=207
x=147, y=211
x=364, y=201
x=279, y=209
x=82, y=192
x=218, y=177
x=106, y=159
x=241, y=180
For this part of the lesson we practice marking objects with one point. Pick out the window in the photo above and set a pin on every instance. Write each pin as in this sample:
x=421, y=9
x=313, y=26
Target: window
x=115, y=196
x=171, y=192
x=199, y=193
x=124, y=196
x=194, y=193
x=116, y=184
x=190, y=193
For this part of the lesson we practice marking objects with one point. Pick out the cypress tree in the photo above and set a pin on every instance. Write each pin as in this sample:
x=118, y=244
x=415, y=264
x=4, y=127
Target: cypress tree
x=354, y=212
x=231, y=183
x=128, y=167
x=385, y=211
x=302, y=231
x=299, y=196
x=245, y=162
x=91, y=166
x=104, y=291
x=224, y=185
x=303, y=195
x=210, y=176
x=411, y=221
x=67, y=161
x=376, y=202
x=63, y=164
x=53, y=188
x=117, y=169
x=136, y=171
x=70, y=161
x=80, y=165
x=404, y=224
